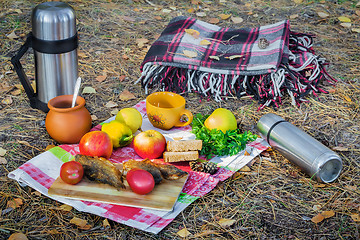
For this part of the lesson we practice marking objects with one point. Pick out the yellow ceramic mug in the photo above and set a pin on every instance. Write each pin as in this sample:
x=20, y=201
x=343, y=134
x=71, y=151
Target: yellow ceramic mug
x=165, y=110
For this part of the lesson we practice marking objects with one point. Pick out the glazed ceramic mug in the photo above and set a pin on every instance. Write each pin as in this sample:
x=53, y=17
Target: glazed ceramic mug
x=166, y=110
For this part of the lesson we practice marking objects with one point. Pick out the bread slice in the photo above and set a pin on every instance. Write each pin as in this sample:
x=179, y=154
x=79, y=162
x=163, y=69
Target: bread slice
x=183, y=146
x=180, y=156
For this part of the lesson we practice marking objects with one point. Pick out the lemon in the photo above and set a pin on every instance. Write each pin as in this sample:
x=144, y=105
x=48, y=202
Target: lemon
x=221, y=119
x=120, y=133
x=131, y=117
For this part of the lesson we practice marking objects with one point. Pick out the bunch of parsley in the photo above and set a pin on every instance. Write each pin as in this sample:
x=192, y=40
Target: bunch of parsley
x=217, y=143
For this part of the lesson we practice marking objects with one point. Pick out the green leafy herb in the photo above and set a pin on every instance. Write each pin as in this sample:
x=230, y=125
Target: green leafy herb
x=217, y=143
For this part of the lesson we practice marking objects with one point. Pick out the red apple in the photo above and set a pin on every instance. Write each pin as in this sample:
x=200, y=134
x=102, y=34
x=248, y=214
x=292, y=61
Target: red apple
x=149, y=144
x=96, y=144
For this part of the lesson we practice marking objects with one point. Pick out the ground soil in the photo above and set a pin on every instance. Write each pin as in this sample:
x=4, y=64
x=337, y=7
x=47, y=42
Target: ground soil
x=274, y=200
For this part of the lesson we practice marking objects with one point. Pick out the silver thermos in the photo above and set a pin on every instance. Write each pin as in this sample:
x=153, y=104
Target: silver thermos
x=310, y=155
x=54, y=41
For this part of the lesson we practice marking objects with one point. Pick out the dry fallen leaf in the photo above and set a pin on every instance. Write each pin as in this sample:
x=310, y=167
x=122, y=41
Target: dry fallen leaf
x=340, y=149
x=328, y=214
x=194, y=33
x=122, y=78
x=14, y=203
x=125, y=57
x=205, y=232
x=237, y=175
x=355, y=217
x=81, y=54
x=245, y=169
x=106, y=224
x=3, y=160
x=24, y=143
x=141, y=42
x=53, y=231
x=48, y=147
x=101, y=78
x=128, y=19
x=17, y=10
x=293, y=16
x=66, y=208
x=111, y=104
x=318, y=218
x=88, y=90
x=214, y=57
x=2, y=152
x=214, y=20
x=195, y=2
x=319, y=185
x=351, y=188
x=183, y=233
x=316, y=207
x=191, y=10
x=114, y=111
x=7, y=100
x=126, y=95
x=36, y=193
x=4, y=86
x=356, y=30
x=201, y=14
x=347, y=98
x=12, y=35
x=323, y=14
x=190, y=54
x=344, y=19
x=205, y=42
x=158, y=18
x=234, y=56
x=224, y=16
x=346, y=25
x=298, y=1
x=18, y=236
x=78, y=222
x=16, y=92
x=237, y=19
x=226, y=222
x=166, y=10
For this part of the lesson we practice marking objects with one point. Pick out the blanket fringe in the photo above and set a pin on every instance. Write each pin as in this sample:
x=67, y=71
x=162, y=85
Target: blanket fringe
x=293, y=78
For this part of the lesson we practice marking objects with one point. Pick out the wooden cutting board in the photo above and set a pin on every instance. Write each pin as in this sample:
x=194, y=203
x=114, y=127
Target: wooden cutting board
x=162, y=197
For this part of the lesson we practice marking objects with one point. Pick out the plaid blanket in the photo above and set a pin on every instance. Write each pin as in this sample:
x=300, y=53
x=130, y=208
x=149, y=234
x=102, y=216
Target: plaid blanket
x=264, y=62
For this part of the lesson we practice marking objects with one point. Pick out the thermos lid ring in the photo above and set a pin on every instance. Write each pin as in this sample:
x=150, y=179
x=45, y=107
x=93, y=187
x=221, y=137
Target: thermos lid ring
x=54, y=46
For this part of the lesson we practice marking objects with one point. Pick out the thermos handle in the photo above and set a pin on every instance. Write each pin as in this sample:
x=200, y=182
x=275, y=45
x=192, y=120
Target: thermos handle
x=15, y=60
x=42, y=46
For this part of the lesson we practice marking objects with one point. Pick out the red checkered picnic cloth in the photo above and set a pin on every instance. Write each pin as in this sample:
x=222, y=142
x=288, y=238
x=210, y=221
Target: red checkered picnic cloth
x=41, y=171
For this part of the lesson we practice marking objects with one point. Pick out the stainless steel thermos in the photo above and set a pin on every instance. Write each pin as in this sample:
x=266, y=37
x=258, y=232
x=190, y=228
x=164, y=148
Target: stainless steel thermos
x=54, y=41
x=300, y=148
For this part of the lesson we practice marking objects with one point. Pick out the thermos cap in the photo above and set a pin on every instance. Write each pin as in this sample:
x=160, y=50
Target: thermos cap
x=53, y=21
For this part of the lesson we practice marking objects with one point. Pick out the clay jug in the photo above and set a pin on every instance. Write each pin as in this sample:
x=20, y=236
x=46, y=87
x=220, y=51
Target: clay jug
x=64, y=123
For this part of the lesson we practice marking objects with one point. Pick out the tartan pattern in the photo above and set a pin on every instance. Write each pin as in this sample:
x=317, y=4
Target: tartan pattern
x=168, y=49
x=234, y=64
